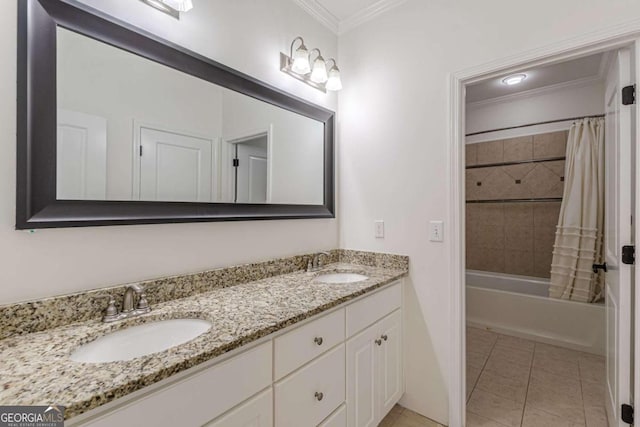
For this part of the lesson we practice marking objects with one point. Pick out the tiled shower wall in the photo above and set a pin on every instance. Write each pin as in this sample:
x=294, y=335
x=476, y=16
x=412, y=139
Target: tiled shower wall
x=515, y=238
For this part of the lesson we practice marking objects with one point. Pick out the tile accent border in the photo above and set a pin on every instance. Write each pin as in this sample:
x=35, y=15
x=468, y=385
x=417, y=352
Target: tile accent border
x=39, y=315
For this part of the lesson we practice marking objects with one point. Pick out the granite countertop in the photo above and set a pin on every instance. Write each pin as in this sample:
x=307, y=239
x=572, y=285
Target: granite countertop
x=35, y=368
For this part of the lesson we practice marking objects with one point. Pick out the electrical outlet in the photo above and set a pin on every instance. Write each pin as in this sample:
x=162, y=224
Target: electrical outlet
x=379, y=227
x=436, y=231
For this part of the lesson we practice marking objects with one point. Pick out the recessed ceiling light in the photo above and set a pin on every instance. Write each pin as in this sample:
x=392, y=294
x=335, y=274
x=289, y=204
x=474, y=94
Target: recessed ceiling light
x=514, y=79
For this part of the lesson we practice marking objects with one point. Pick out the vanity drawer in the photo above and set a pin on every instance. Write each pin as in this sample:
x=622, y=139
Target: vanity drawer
x=307, y=342
x=297, y=399
x=337, y=419
x=373, y=308
x=198, y=398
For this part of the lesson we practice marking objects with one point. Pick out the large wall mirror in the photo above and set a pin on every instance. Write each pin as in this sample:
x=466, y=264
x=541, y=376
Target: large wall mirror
x=119, y=127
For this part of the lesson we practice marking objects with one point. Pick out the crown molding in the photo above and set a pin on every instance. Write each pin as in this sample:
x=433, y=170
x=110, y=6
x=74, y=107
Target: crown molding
x=319, y=12
x=367, y=14
x=582, y=82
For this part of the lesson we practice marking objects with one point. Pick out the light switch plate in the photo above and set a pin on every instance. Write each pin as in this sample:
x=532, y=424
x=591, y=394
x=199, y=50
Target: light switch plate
x=379, y=229
x=436, y=231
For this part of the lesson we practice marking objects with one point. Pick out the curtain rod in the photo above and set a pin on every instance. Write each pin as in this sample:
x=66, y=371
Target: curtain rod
x=535, y=124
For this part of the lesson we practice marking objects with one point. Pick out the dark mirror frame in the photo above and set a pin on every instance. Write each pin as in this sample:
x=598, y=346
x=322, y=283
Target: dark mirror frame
x=36, y=203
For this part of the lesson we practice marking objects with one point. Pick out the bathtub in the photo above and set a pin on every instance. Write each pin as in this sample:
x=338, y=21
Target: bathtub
x=519, y=306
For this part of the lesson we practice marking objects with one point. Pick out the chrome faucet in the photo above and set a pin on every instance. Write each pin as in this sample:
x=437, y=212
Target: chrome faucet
x=315, y=263
x=129, y=306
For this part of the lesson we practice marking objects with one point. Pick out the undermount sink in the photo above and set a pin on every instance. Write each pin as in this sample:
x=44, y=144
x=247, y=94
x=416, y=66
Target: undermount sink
x=340, y=278
x=141, y=340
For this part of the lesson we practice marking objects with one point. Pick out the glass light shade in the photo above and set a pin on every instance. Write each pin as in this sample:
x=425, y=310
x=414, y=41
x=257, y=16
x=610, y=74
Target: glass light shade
x=301, y=60
x=334, y=83
x=319, y=72
x=179, y=5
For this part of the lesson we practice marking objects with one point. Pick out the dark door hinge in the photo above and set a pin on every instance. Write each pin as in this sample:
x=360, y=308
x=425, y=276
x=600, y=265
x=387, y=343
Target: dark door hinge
x=629, y=95
x=627, y=413
x=141, y=150
x=628, y=254
x=236, y=163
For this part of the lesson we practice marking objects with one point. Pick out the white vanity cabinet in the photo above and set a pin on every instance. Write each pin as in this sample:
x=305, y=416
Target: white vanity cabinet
x=342, y=368
x=375, y=379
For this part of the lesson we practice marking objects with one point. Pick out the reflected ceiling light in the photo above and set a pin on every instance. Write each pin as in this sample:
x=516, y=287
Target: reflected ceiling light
x=514, y=79
x=298, y=65
x=179, y=5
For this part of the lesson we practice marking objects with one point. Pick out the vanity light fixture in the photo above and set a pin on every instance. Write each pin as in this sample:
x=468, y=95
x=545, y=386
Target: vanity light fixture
x=514, y=79
x=172, y=8
x=315, y=73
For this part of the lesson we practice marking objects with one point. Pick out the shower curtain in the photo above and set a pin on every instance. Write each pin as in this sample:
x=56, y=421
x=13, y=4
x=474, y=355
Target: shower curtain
x=578, y=243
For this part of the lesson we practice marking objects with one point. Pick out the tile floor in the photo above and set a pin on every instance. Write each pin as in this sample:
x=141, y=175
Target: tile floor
x=516, y=382
x=402, y=417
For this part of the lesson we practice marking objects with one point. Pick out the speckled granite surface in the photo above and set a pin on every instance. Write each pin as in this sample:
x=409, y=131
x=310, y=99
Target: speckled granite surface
x=35, y=368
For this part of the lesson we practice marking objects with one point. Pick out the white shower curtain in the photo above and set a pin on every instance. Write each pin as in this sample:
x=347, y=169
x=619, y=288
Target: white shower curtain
x=578, y=242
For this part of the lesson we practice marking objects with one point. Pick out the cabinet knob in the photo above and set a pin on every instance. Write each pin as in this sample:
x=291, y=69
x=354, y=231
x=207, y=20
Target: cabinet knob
x=318, y=340
x=378, y=341
x=319, y=396
x=384, y=337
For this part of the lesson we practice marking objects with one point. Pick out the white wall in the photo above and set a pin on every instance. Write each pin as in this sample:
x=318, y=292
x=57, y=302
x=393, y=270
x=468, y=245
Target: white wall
x=244, y=34
x=567, y=102
x=394, y=142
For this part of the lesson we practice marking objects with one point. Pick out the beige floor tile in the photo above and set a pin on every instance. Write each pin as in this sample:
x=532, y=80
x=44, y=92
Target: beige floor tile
x=522, y=357
x=496, y=408
x=480, y=344
x=473, y=374
x=562, y=367
x=481, y=333
x=411, y=419
x=556, y=395
x=392, y=416
x=476, y=359
x=593, y=394
x=534, y=417
x=592, y=370
x=508, y=368
x=474, y=420
x=515, y=343
x=510, y=387
x=555, y=352
x=596, y=416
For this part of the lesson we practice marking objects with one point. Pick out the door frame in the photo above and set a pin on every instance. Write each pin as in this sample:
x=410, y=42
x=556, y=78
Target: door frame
x=138, y=125
x=228, y=155
x=590, y=43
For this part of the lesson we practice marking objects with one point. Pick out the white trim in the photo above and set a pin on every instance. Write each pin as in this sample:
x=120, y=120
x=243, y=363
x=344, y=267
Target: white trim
x=609, y=38
x=337, y=26
x=636, y=231
x=138, y=125
x=320, y=13
x=577, y=83
x=518, y=132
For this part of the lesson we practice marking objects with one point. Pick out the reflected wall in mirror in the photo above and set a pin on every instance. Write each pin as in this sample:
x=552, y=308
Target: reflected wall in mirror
x=131, y=129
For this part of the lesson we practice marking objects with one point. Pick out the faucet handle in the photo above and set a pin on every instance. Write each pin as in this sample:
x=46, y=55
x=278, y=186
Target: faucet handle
x=143, y=304
x=111, y=313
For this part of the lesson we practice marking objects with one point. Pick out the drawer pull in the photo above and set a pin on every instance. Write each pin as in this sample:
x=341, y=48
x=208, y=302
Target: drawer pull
x=384, y=337
x=318, y=340
x=378, y=341
x=319, y=396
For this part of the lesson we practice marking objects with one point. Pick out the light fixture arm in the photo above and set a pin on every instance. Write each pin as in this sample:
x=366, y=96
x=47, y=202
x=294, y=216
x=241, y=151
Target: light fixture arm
x=293, y=43
x=311, y=53
x=335, y=65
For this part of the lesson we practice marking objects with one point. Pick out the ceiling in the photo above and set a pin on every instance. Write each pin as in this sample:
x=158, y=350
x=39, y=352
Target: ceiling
x=581, y=69
x=343, y=15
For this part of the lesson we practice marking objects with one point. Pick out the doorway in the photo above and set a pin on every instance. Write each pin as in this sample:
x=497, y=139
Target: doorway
x=618, y=322
x=250, y=170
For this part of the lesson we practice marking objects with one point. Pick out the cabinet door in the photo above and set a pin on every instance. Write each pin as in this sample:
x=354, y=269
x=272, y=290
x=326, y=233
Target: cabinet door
x=362, y=377
x=256, y=412
x=391, y=385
